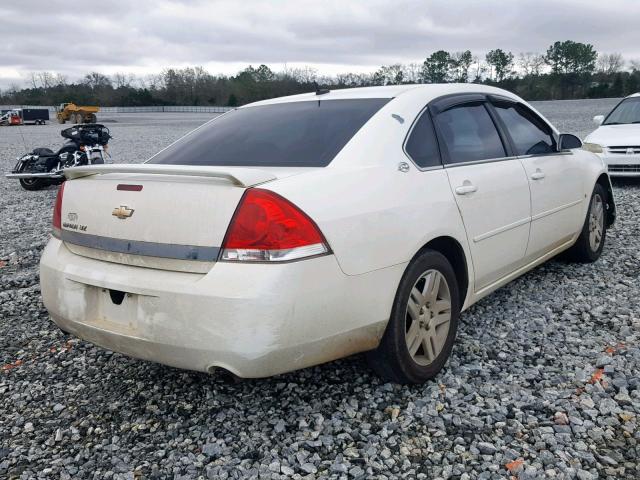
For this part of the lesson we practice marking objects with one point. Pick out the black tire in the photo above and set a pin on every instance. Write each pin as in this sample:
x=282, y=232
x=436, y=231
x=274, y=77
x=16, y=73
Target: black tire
x=92, y=118
x=392, y=359
x=585, y=250
x=33, y=184
x=61, y=120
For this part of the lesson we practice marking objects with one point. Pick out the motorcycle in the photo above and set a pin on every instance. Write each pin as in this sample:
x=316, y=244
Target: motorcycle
x=85, y=145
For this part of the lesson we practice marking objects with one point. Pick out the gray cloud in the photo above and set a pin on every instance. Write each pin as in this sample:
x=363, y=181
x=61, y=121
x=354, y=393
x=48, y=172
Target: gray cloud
x=149, y=35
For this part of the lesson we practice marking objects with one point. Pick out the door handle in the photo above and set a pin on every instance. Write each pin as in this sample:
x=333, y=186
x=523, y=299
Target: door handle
x=466, y=188
x=537, y=175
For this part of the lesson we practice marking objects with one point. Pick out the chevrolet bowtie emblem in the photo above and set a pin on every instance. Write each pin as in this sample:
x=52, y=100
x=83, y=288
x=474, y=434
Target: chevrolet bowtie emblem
x=122, y=212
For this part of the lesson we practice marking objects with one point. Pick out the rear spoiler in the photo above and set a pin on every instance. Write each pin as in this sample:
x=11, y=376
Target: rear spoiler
x=243, y=177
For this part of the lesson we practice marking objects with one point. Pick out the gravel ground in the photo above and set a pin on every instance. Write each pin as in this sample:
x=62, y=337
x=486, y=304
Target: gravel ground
x=543, y=381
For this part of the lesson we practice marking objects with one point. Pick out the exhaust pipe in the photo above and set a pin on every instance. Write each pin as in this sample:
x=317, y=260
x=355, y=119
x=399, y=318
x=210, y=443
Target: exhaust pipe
x=224, y=374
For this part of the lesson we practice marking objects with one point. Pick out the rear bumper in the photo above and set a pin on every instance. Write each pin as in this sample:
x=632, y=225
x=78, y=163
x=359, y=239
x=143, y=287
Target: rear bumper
x=253, y=320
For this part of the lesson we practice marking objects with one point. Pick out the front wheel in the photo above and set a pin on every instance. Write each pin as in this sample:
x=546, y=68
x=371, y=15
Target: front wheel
x=423, y=324
x=32, y=184
x=590, y=243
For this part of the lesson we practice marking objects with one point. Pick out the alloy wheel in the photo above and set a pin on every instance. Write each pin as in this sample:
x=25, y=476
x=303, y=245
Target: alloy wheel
x=428, y=317
x=596, y=222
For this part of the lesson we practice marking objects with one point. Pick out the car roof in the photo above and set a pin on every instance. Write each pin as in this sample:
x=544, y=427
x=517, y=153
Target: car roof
x=426, y=92
x=637, y=94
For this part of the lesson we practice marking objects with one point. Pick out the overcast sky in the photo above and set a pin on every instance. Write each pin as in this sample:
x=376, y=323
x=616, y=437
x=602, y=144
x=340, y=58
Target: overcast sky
x=146, y=36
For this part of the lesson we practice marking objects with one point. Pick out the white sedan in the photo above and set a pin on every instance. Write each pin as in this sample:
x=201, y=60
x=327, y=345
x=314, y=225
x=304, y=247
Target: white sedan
x=617, y=139
x=298, y=230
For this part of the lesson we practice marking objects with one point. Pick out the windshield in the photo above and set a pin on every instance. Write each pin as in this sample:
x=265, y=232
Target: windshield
x=302, y=134
x=627, y=111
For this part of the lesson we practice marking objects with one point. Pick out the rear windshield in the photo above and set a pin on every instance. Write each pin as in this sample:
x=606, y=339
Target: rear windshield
x=299, y=134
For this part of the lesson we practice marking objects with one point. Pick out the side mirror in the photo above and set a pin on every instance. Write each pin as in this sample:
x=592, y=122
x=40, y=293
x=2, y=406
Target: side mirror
x=598, y=119
x=569, y=142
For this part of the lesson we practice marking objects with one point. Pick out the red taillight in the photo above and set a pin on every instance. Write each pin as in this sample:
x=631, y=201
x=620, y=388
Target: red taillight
x=57, y=212
x=269, y=228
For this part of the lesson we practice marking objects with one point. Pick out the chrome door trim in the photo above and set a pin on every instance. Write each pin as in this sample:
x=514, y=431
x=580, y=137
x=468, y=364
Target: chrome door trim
x=480, y=162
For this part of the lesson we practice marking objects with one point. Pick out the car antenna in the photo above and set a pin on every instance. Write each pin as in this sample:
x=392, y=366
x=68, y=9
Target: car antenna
x=320, y=91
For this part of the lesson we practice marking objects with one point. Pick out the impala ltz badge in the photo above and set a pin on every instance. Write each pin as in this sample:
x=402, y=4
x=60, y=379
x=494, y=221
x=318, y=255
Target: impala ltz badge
x=122, y=212
x=72, y=223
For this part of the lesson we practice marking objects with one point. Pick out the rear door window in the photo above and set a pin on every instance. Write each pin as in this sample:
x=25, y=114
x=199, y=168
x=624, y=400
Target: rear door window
x=422, y=145
x=469, y=134
x=299, y=134
x=530, y=134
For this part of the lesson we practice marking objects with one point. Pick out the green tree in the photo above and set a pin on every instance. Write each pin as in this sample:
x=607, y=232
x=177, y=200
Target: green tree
x=96, y=80
x=617, y=89
x=389, y=75
x=264, y=74
x=501, y=63
x=233, y=101
x=461, y=64
x=571, y=57
x=437, y=67
x=633, y=83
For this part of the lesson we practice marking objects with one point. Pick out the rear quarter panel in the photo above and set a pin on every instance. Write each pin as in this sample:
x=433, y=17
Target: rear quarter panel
x=377, y=217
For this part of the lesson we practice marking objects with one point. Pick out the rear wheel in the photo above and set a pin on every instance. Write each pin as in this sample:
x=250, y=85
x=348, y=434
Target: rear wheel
x=590, y=243
x=423, y=324
x=33, y=183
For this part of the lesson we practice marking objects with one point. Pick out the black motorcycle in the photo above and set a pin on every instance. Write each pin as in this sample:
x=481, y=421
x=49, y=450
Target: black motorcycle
x=85, y=145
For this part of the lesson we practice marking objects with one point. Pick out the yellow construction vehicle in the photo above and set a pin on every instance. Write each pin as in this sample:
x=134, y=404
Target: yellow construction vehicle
x=76, y=114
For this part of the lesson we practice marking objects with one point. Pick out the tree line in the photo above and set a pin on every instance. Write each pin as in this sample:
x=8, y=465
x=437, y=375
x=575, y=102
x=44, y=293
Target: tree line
x=567, y=70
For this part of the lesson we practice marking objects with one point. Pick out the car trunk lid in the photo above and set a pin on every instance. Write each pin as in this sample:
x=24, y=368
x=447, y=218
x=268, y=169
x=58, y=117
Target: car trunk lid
x=157, y=216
